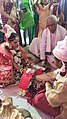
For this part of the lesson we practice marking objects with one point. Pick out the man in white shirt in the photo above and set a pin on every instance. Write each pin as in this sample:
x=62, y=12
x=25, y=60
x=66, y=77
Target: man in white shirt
x=43, y=47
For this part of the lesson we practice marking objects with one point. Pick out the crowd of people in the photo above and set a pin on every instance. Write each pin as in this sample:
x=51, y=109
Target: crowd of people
x=46, y=26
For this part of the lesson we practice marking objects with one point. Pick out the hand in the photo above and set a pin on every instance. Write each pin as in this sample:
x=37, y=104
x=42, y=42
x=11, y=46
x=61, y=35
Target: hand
x=43, y=63
x=22, y=11
x=13, y=19
x=21, y=70
x=43, y=77
x=48, y=86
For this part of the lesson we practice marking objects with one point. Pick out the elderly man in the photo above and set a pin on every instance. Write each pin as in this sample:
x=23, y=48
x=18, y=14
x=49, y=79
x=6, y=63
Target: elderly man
x=43, y=48
x=4, y=13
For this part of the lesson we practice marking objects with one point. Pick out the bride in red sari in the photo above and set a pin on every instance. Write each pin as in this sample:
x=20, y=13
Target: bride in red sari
x=6, y=65
x=12, y=57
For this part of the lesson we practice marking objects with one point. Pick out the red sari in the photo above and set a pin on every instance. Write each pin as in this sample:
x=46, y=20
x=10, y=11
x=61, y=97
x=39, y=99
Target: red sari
x=6, y=68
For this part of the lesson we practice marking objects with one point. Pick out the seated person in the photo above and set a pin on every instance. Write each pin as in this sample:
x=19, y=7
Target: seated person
x=53, y=99
x=13, y=58
x=43, y=47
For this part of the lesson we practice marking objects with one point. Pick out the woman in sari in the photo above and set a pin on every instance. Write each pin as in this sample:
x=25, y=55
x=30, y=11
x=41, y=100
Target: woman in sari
x=13, y=58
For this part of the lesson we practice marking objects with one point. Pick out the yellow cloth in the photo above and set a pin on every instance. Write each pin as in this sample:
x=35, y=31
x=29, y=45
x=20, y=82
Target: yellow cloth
x=57, y=96
x=8, y=111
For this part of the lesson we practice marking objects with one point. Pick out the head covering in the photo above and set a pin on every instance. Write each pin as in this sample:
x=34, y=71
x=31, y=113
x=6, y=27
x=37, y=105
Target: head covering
x=8, y=29
x=60, y=51
x=10, y=33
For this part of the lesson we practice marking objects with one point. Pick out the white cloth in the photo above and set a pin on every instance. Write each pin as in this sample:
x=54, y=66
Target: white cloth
x=8, y=29
x=60, y=51
x=35, y=47
x=57, y=96
x=45, y=43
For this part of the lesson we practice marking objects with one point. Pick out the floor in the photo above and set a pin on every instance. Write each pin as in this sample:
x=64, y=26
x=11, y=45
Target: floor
x=12, y=91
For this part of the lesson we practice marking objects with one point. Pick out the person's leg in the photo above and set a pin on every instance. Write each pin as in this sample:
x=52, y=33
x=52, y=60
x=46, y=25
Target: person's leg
x=35, y=47
x=31, y=32
x=41, y=102
x=17, y=29
x=25, y=36
x=22, y=36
